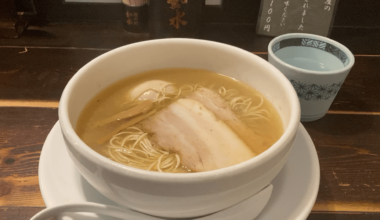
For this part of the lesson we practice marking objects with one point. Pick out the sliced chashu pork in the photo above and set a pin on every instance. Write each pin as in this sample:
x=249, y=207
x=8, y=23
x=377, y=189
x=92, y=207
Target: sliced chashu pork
x=202, y=140
x=216, y=104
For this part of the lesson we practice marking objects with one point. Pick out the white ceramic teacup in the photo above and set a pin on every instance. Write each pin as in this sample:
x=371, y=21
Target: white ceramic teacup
x=178, y=194
x=316, y=66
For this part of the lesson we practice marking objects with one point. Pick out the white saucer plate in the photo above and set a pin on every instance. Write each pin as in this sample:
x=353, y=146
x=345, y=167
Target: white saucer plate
x=294, y=189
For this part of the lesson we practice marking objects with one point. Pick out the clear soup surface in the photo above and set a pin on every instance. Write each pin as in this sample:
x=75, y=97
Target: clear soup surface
x=179, y=120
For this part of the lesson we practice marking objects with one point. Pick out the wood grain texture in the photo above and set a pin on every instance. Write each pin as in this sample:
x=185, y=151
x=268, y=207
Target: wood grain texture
x=39, y=74
x=349, y=155
x=97, y=35
x=18, y=212
x=25, y=213
x=343, y=216
x=347, y=147
x=361, y=88
x=22, y=134
x=35, y=68
x=28, y=103
x=109, y=35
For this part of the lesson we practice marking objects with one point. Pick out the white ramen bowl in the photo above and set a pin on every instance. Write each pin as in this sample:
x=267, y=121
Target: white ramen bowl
x=184, y=194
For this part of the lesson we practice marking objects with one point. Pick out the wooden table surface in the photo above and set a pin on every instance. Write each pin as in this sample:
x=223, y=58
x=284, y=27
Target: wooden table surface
x=35, y=69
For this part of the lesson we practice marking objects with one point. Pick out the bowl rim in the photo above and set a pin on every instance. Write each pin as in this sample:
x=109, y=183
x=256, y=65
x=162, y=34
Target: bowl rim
x=315, y=37
x=69, y=132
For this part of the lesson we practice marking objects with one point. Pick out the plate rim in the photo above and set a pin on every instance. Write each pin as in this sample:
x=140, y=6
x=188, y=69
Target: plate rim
x=301, y=131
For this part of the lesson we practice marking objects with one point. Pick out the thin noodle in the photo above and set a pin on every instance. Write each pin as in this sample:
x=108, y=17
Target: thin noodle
x=138, y=140
x=132, y=146
x=178, y=161
x=159, y=163
x=152, y=165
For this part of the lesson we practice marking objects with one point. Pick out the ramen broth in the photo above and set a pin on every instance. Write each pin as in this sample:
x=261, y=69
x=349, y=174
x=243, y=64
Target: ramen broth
x=179, y=120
